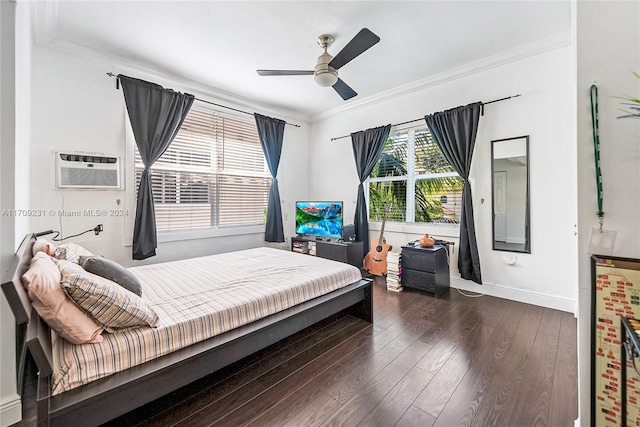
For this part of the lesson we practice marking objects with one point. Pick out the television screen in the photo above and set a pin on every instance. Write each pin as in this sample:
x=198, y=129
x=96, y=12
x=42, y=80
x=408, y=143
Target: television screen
x=322, y=219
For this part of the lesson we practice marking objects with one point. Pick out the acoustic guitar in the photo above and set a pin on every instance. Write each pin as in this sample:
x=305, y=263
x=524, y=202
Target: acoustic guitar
x=376, y=260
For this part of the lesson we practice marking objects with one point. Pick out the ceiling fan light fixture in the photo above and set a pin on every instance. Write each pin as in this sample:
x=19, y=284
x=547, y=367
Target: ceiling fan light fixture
x=326, y=78
x=325, y=73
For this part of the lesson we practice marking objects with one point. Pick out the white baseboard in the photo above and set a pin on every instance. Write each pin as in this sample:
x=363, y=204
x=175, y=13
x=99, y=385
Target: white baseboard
x=576, y=423
x=10, y=410
x=528, y=297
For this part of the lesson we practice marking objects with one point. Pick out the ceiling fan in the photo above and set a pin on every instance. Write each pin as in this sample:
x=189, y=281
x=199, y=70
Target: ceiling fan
x=325, y=72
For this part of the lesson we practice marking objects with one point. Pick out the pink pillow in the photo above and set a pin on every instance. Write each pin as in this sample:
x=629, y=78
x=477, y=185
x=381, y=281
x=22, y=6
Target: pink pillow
x=42, y=245
x=42, y=281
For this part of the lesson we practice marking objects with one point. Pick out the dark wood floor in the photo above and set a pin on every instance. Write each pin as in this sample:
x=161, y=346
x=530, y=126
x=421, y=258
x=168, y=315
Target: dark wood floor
x=453, y=361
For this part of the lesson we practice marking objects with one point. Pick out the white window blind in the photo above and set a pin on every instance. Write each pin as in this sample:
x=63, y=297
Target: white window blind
x=212, y=175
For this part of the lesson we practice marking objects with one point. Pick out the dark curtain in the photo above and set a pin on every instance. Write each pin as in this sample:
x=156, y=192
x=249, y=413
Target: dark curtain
x=156, y=115
x=367, y=148
x=455, y=133
x=271, y=133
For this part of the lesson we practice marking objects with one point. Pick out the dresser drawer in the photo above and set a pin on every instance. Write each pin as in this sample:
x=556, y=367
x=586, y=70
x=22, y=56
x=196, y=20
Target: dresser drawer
x=419, y=280
x=418, y=260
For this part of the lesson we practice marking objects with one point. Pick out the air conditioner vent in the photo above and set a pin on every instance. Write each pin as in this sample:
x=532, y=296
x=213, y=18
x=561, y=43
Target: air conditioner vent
x=87, y=158
x=85, y=170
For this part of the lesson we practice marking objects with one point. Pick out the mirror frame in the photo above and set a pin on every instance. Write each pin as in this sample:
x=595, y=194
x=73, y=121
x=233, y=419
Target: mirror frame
x=527, y=218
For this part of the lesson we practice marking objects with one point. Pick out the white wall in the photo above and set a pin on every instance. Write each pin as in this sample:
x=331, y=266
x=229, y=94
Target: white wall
x=24, y=45
x=16, y=82
x=77, y=107
x=545, y=81
x=607, y=39
x=10, y=14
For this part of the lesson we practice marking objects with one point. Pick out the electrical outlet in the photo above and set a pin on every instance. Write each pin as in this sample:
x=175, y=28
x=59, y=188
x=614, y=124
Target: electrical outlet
x=510, y=259
x=286, y=216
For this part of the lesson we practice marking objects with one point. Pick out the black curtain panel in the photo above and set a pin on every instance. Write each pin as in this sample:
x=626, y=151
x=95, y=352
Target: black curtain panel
x=271, y=133
x=367, y=148
x=455, y=133
x=156, y=115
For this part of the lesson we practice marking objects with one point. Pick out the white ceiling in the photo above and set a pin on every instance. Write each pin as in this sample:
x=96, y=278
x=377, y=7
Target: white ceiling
x=222, y=43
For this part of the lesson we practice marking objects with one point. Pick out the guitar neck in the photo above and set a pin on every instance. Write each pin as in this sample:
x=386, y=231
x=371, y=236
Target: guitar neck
x=382, y=229
x=384, y=220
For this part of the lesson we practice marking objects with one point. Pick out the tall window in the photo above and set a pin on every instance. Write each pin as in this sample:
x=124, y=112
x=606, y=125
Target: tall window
x=416, y=179
x=212, y=175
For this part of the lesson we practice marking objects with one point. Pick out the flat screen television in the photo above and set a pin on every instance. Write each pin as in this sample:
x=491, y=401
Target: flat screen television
x=321, y=219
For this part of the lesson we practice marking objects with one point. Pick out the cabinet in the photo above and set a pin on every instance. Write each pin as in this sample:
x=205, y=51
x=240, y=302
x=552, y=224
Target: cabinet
x=347, y=252
x=425, y=269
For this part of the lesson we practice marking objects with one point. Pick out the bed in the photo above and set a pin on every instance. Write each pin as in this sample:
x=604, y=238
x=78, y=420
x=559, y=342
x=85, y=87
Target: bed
x=218, y=329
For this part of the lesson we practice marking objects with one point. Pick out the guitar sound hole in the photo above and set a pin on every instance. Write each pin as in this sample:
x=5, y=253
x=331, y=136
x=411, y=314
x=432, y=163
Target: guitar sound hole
x=378, y=248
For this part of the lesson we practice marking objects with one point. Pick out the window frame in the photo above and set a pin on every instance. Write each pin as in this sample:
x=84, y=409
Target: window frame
x=180, y=234
x=410, y=178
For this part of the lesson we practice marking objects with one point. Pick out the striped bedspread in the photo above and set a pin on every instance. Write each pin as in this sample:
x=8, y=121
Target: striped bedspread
x=197, y=299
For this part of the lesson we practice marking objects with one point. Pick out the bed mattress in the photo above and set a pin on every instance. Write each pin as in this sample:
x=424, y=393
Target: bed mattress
x=197, y=299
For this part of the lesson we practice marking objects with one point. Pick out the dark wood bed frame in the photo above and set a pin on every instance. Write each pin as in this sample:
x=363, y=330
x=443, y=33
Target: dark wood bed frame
x=117, y=394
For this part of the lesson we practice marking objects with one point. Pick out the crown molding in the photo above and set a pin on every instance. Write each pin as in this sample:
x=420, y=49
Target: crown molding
x=45, y=33
x=537, y=47
x=118, y=64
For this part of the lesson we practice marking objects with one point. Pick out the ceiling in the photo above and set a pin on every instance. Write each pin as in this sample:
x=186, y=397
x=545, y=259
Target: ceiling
x=222, y=43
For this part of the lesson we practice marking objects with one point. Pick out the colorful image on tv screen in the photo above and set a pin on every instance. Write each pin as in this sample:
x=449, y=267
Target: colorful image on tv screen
x=319, y=219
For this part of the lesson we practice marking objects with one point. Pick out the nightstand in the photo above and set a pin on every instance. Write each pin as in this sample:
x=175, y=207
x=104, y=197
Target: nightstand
x=425, y=269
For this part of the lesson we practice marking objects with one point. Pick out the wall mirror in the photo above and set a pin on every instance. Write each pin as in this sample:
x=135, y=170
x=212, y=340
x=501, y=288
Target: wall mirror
x=510, y=194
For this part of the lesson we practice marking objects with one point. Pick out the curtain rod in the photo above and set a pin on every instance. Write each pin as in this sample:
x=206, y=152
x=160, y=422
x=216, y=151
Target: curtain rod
x=110, y=74
x=422, y=118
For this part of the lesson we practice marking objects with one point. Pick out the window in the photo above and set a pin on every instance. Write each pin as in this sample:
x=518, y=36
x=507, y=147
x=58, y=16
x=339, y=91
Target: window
x=413, y=175
x=212, y=175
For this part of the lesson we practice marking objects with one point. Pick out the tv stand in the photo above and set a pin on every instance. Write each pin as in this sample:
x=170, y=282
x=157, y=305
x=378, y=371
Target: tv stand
x=347, y=252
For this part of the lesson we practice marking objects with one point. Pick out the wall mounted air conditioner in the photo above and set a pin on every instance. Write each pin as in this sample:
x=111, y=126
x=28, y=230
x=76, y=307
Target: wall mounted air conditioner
x=86, y=170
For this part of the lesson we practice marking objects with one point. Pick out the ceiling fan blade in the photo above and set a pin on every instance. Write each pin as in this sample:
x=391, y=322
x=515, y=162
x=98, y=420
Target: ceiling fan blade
x=361, y=42
x=284, y=73
x=344, y=90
